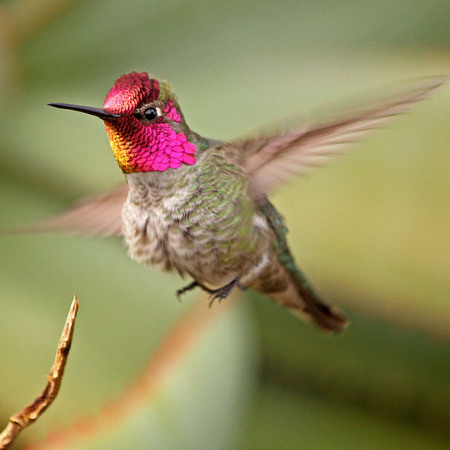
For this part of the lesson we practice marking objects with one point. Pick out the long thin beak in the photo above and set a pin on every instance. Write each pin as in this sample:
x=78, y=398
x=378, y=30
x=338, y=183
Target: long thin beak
x=97, y=112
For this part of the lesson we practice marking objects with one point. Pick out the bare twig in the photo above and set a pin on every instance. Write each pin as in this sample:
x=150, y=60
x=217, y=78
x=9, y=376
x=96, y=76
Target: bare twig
x=30, y=413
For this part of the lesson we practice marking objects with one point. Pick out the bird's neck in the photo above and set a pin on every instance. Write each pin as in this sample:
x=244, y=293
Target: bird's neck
x=170, y=178
x=152, y=189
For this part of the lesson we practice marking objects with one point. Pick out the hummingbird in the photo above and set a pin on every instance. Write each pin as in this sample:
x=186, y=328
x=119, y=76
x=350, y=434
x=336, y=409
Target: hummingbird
x=199, y=206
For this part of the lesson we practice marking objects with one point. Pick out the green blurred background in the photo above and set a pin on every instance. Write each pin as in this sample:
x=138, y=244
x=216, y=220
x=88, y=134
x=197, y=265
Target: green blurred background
x=371, y=230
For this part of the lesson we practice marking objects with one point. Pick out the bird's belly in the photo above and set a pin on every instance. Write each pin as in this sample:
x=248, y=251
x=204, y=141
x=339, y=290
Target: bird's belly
x=200, y=248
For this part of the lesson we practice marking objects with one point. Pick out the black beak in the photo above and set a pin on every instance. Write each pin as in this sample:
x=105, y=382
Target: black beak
x=97, y=112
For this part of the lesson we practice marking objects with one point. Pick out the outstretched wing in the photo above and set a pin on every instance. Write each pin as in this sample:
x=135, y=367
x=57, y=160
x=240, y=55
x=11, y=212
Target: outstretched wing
x=272, y=160
x=93, y=216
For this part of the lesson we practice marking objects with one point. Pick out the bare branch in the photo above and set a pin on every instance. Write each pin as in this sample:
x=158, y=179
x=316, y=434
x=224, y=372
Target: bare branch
x=30, y=413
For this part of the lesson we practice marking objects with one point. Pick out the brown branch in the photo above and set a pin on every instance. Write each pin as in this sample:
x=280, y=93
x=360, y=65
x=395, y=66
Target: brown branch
x=30, y=413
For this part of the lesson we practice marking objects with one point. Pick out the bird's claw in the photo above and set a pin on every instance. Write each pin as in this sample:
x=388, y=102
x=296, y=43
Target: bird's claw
x=185, y=289
x=214, y=294
x=224, y=291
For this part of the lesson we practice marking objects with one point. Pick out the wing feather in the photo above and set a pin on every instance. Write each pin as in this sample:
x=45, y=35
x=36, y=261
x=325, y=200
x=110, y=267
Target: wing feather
x=272, y=160
x=93, y=216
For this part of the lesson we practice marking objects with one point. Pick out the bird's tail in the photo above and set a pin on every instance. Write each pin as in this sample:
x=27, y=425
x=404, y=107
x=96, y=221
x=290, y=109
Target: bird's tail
x=303, y=302
x=286, y=284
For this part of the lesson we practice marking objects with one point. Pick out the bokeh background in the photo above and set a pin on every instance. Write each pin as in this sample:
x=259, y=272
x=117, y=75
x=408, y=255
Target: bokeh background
x=371, y=230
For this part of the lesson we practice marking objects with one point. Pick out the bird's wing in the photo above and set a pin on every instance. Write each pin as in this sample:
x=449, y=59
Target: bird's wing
x=272, y=160
x=94, y=216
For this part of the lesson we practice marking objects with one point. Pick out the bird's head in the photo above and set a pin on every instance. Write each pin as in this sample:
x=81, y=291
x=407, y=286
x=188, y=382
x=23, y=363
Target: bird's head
x=144, y=124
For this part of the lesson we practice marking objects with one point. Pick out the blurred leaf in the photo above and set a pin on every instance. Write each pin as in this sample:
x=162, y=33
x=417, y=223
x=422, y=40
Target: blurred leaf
x=199, y=402
x=285, y=421
x=378, y=368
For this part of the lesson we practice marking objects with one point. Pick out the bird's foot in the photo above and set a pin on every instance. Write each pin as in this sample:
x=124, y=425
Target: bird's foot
x=187, y=288
x=224, y=291
x=191, y=286
x=219, y=293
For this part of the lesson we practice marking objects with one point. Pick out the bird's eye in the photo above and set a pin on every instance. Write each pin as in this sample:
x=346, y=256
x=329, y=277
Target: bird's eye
x=151, y=113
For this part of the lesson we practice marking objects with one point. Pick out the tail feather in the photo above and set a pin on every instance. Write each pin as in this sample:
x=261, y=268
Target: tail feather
x=286, y=284
x=310, y=306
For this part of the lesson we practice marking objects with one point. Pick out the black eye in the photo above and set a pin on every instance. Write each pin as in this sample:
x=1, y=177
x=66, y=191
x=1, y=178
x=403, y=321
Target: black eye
x=150, y=114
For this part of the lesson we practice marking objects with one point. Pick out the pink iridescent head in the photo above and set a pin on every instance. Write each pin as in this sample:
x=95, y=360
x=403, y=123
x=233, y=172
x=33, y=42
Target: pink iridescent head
x=144, y=124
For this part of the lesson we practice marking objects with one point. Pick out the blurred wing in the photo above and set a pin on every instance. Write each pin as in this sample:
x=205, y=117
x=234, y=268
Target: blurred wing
x=272, y=160
x=93, y=216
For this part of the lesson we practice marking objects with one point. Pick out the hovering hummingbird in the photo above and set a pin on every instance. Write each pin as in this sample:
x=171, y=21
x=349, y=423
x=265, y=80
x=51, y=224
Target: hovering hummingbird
x=199, y=206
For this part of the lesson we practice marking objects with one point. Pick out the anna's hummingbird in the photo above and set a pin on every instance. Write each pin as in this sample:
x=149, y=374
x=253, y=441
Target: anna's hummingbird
x=198, y=205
